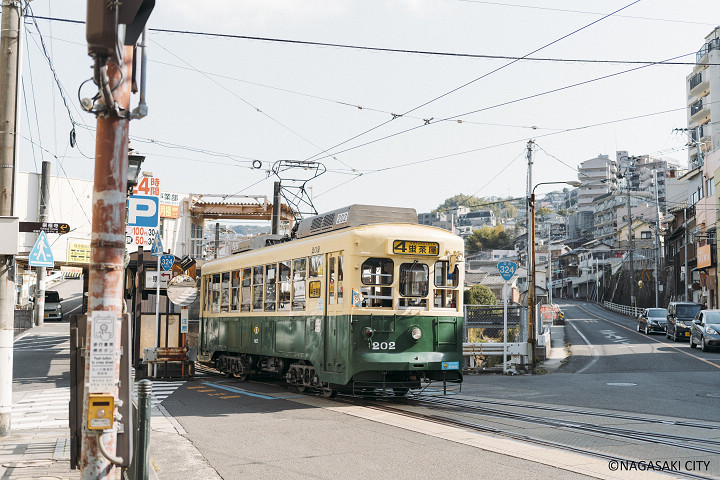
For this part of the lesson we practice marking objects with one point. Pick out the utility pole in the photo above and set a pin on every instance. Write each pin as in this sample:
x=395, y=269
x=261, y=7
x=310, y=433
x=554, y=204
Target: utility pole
x=41, y=271
x=631, y=242
x=111, y=48
x=531, y=256
x=107, y=255
x=657, y=241
x=10, y=36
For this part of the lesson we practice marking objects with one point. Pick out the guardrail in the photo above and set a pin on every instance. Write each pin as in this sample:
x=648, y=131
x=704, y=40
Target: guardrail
x=623, y=309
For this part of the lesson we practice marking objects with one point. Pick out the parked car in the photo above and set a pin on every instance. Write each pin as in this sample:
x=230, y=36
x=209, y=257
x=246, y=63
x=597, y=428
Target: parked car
x=705, y=330
x=680, y=316
x=53, y=307
x=652, y=320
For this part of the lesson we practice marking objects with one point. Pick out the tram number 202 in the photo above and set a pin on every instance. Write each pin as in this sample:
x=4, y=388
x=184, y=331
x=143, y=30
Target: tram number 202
x=383, y=345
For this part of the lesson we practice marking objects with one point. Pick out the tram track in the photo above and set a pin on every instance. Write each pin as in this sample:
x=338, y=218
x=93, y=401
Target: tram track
x=677, y=441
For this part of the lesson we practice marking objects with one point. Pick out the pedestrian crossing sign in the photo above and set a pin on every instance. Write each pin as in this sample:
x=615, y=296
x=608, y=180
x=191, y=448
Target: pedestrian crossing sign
x=41, y=255
x=157, y=247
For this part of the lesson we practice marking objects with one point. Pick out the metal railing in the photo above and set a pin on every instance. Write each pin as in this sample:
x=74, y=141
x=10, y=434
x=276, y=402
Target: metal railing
x=623, y=309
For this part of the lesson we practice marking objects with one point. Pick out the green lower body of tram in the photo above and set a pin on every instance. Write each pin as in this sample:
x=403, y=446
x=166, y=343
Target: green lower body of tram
x=359, y=354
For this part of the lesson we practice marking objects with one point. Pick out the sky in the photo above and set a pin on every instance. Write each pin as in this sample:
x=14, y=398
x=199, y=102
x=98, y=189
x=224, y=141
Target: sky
x=405, y=108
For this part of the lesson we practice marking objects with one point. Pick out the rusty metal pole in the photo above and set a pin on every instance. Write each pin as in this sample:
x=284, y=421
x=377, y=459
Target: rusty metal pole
x=107, y=250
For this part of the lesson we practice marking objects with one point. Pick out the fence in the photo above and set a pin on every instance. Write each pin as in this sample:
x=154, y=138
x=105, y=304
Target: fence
x=624, y=309
x=484, y=334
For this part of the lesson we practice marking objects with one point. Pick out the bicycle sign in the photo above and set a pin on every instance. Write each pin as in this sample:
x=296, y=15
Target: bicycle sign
x=507, y=270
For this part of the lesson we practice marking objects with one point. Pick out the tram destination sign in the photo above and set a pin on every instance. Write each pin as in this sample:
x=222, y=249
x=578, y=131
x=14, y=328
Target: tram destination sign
x=411, y=247
x=47, y=227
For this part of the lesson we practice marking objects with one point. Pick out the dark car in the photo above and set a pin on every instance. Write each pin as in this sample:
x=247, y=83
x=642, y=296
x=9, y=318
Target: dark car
x=652, y=320
x=705, y=330
x=680, y=316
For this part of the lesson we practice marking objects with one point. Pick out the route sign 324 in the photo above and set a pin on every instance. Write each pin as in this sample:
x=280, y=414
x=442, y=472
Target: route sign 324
x=507, y=270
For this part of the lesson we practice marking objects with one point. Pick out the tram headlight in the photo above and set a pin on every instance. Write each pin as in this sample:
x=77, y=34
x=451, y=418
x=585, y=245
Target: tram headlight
x=415, y=333
x=368, y=332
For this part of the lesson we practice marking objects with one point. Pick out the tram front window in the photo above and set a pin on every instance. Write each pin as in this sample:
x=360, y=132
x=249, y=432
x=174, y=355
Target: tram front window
x=446, y=283
x=375, y=273
x=413, y=282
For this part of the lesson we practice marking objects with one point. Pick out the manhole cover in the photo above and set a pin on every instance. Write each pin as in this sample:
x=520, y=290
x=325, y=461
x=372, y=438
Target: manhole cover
x=620, y=384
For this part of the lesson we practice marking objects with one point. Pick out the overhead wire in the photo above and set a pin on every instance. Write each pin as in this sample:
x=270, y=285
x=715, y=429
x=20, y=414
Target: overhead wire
x=472, y=81
x=257, y=109
x=497, y=105
x=564, y=10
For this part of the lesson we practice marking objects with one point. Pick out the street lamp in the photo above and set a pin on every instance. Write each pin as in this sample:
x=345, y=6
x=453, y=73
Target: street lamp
x=531, y=267
x=134, y=163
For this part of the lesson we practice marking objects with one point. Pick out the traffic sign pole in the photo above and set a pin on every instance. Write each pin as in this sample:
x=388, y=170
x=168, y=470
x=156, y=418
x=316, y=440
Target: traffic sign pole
x=507, y=270
x=506, y=287
x=157, y=251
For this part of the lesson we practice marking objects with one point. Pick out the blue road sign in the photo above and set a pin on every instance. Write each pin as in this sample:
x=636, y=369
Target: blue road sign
x=166, y=262
x=507, y=270
x=41, y=255
x=157, y=247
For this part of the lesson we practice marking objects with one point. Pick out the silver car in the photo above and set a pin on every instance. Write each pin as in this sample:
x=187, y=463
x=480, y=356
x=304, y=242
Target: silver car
x=705, y=330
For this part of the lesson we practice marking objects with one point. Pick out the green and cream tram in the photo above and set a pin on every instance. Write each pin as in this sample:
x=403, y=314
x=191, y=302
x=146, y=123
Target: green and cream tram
x=362, y=300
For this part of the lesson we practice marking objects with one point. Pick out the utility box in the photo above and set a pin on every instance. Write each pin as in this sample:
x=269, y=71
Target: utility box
x=9, y=231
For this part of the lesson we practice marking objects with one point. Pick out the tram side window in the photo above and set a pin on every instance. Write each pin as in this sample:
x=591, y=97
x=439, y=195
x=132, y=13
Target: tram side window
x=258, y=288
x=413, y=284
x=225, y=292
x=340, y=280
x=299, y=275
x=216, y=293
x=284, y=299
x=446, y=283
x=270, y=287
x=246, y=289
x=235, y=291
x=374, y=273
x=207, y=288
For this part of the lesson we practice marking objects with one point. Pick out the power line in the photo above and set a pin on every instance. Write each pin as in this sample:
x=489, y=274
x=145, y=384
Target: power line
x=470, y=82
x=585, y=12
x=388, y=49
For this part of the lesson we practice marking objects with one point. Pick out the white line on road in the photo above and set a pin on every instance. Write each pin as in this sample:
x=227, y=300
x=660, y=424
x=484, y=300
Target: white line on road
x=595, y=355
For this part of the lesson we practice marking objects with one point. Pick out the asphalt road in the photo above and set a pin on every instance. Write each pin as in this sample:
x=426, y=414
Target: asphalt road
x=612, y=366
x=45, y=363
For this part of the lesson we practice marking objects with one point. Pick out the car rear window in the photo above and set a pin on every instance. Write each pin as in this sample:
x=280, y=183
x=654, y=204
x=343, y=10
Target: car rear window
x=52, y=296
x=687, y=310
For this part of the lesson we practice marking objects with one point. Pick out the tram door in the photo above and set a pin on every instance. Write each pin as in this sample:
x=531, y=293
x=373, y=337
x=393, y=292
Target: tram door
x=334, y=329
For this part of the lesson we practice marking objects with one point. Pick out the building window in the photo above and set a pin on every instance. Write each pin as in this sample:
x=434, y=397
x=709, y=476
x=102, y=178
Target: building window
x=645, y=235
x=710, y=183
x=196, y=241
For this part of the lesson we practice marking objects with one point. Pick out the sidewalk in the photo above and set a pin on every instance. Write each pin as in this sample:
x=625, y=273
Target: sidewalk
x=39, y=444
x=557, y=354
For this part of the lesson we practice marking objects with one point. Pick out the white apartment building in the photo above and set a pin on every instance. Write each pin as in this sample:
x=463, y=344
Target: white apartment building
x=703, y=98
x=597, y=176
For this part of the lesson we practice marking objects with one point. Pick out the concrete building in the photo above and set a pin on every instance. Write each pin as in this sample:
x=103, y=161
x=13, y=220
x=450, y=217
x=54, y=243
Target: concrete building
x=703, y=99
x=597, y=176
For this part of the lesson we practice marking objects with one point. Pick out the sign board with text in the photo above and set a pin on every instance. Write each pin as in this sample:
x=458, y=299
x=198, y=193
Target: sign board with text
x=169, y=205
x=47, y=227
x=143, y=214
x=78, y=252
x=151, y=278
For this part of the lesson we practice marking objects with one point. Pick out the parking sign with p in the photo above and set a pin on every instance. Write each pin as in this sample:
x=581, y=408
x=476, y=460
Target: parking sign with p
x=143, y=211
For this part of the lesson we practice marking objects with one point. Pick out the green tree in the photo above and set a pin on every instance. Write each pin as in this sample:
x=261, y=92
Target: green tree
x=543, y=211
x=488, y=238
x=479, y=295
